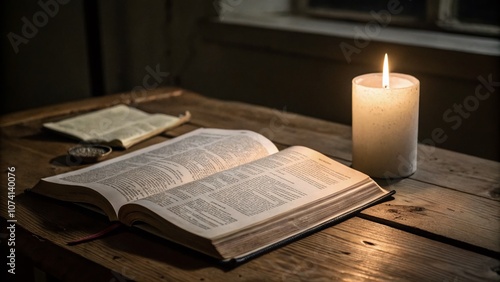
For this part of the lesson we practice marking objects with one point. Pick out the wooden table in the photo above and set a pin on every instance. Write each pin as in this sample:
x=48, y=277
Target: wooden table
x=443, y=223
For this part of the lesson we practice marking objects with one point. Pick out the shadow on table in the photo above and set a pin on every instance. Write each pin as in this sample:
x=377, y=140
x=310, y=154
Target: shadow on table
x=62, y=222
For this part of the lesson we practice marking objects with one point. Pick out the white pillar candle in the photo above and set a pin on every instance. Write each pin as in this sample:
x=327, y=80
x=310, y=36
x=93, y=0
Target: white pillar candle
x=385, y=124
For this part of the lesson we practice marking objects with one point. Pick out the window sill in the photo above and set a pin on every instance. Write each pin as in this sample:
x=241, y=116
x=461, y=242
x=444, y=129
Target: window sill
x=410, y=51
x=428, y=39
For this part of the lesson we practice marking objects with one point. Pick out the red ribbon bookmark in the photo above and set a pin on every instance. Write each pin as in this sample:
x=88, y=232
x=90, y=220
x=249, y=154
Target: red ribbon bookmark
x=97, y=235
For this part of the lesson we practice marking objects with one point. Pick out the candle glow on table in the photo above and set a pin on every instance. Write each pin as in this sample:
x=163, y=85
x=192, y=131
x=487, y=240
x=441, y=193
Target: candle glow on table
x=385, y=123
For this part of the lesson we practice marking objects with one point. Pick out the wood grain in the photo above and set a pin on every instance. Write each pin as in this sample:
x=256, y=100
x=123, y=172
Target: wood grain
x=444, y=212
x=442, y=225
x=355, y=249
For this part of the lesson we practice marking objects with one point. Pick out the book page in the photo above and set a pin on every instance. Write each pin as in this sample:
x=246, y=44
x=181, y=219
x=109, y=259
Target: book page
x=120, y=122
x=240, y=197
x=192, y=156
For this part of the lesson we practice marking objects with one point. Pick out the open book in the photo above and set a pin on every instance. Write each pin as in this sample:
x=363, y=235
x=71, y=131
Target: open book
x=227, y=193
x=117, y=126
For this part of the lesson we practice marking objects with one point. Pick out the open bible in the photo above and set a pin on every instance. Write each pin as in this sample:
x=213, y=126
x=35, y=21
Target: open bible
x=227, y=193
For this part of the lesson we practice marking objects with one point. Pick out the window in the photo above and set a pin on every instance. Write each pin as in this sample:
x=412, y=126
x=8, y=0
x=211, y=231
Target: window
x=458, y=16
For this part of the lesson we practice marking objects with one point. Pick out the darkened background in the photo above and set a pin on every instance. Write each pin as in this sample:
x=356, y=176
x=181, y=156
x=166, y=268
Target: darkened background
x=89, y=48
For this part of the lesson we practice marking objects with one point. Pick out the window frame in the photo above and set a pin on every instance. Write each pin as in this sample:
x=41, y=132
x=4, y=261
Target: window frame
x=441, y=15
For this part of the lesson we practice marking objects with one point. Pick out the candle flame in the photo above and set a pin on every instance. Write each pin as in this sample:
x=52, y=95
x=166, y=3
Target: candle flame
x=385, y=73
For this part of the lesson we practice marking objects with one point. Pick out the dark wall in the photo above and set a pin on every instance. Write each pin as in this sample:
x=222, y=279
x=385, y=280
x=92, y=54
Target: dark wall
x=47, y=61
x=134, y=42
x=56, y=60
